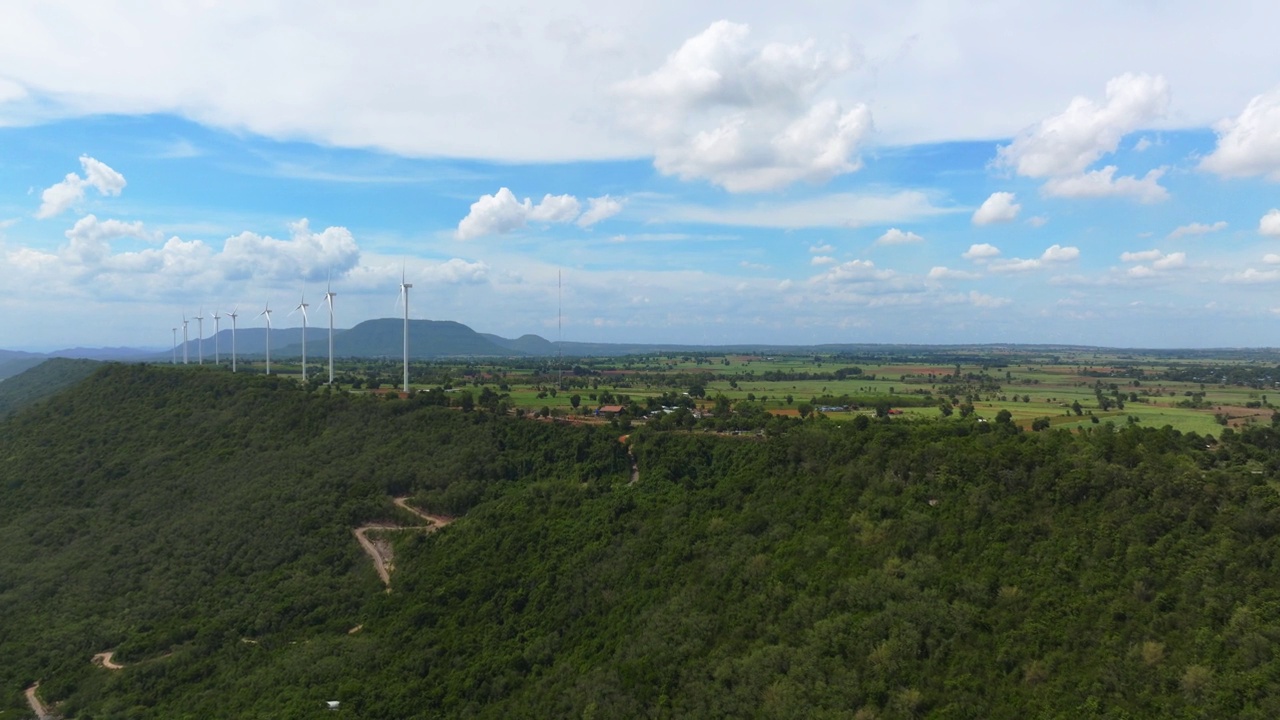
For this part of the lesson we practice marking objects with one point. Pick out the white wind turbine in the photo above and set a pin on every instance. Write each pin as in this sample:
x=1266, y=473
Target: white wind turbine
x=303, y=307
x=175, y=346
x=233, y=317
x=404, y=295
x=266, y=312
x=329, y=295
x=200, y=335
x=184, y=338
x=216, y=329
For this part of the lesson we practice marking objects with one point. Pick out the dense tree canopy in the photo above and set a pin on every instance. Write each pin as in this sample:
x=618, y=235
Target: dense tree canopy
x=199, y=524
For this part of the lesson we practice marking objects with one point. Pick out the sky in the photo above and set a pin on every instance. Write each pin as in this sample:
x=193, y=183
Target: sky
x=1089, y=173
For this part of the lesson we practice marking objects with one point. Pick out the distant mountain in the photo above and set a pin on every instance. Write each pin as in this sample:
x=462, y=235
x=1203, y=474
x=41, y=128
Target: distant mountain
x=14, y=366
x=43, y=380
x=385, y=338
x=525, y=344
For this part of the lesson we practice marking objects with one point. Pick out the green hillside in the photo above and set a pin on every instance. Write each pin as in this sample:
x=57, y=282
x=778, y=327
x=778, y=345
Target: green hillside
x=200, y=523
x=41, y=381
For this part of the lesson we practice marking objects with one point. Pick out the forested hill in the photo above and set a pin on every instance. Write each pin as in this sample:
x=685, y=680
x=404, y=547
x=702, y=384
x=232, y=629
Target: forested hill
x=45, y=379
x=199, y=524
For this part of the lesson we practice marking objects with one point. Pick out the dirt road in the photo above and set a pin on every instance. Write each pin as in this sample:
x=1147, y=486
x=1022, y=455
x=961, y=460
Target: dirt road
x=380, y=550
x=37, y=707
x=104, y=659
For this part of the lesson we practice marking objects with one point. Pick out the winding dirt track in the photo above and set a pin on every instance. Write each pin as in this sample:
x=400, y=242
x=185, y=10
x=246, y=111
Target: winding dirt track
x=104, y=659
x=380, y=551
x=37, y=707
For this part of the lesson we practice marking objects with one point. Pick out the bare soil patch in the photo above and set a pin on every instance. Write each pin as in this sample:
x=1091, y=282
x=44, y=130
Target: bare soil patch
x=104, y=659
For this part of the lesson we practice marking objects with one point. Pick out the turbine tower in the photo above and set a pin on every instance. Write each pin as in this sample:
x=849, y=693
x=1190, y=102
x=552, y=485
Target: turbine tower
x=175, y=346
x=233, y=317
x=200, y=335
x=303, y=307
x=404, y=293
x=216, y=329
x=185, y=341
x=329, y=295
x=266, y=312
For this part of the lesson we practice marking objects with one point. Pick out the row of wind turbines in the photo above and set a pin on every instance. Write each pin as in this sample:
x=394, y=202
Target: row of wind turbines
x=329, y=295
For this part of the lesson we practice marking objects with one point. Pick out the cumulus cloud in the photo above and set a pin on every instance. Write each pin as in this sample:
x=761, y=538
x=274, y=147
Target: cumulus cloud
x=1170, y=261
x=1103, y=183
x=1052, y=255
x=822, y=260
x=1141, y=256
x=501, y=213
x=1271, y=259
x=939, y=272
x=1068, y=143
x=1269, y=225
x=455, y=272
x=1249, y=144
x=822, y=249
x=1252, y=276
x=599, y=208
x=854, y=271
x=745, y=117
x=1000, y=207
x=1061, y=148
x=978, y=299
x=1196, y=228
x=1057, y=253
x=59, y=197
x=894, y=236
x=306, y=255
x=90, y=237
x=980, y=252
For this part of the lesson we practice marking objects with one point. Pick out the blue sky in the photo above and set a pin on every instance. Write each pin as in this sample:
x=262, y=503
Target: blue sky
x=910, y=172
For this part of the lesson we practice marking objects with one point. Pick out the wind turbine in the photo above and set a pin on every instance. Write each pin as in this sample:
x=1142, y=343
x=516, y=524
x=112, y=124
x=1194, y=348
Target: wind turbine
x=184, y=338
x=267, y=313
x=200, y=338
x=404, y=294
x=303, y=307
x=216, y=329
x=233, y=317
x=329, y=295
x=175, y=346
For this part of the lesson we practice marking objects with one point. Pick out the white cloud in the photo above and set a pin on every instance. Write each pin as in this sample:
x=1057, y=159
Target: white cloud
x=978, y=299
x=1249, y=144
x=854, y=271
x=1269, y=225
x=1068, y=143
x=1141, y=256
x=1102, y=183
x=1252, y=276
x=1140, y=271
x=1014, y=265
x=502, y=213
x=1271, y=259
x=90, y=237
x=894, y=236
x=1196, y=228
x=999, y=207
x=599, y=208
x=455, y=272
x=1052, y=254
x=821, y=249
x=554, y=209
x=1142, y=145
x=306, y=255
x=61, y=196
x=980, y=252
x=822, y=260
x=1061, y=148
x=1037, y=221
x=939, y=272
x=1057, y=253
x=1170, y=261
x=744, y=117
